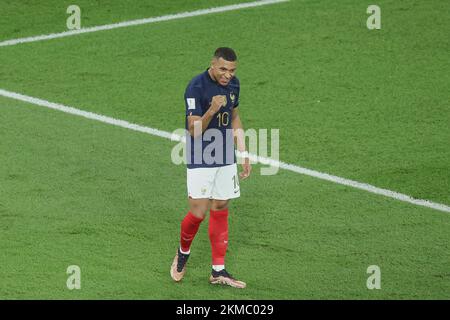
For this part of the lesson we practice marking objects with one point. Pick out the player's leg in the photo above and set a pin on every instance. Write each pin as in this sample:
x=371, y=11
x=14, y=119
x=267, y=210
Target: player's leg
x=191, y=223
x=199, y=182
x=218, y=232
x=226, y=186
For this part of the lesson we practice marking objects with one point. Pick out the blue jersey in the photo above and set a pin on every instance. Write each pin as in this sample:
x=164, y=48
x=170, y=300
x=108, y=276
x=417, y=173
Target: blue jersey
x=203, y=151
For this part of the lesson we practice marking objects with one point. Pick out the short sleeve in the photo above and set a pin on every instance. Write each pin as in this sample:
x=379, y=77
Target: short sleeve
x=236, y=102
x=238, y=89
x=193, y=101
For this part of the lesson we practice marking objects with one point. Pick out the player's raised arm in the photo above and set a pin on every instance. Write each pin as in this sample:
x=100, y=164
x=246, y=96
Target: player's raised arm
x=197, y=125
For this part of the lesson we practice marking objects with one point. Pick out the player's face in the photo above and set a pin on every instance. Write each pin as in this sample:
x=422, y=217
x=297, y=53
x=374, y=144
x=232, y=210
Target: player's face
x=223, y=70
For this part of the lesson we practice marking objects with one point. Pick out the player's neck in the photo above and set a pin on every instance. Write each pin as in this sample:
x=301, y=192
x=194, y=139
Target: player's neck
x=211, y=75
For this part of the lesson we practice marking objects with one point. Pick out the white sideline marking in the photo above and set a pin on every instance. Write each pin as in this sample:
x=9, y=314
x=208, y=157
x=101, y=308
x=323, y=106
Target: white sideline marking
x=140, y=21
x=263, y=160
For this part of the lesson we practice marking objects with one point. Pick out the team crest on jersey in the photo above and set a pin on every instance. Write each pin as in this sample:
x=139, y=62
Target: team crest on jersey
x=232, y=97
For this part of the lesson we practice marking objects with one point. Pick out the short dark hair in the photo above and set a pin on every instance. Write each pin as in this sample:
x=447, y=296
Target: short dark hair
x=225, y=53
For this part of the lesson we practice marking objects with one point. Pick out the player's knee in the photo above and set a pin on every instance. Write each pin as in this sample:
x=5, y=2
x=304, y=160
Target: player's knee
x=198, y=209
x=199, y=213
x=218, y=205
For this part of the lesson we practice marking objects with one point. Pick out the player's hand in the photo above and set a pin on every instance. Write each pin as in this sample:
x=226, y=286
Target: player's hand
x=217, y=103
x=246, y=169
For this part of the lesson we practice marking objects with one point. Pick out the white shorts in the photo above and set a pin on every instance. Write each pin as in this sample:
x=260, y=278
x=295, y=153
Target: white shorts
x=220, y=183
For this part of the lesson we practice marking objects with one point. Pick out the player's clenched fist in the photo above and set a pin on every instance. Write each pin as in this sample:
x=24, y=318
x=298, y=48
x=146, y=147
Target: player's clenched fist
x=217, y=103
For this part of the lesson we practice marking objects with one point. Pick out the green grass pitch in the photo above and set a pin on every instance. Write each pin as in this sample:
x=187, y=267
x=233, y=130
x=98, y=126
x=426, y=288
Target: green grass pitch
x=368, y=105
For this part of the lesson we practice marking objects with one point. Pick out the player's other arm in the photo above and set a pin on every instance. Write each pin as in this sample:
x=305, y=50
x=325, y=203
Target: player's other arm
x=197, y=125
x=239, y=136
x=238, y=130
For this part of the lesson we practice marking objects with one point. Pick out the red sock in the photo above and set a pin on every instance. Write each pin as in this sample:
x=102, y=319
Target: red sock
x=189, y=228
x=218, y=235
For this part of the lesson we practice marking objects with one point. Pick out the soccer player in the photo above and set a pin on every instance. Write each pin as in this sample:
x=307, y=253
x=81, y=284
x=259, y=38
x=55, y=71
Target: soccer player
x=212, y=119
